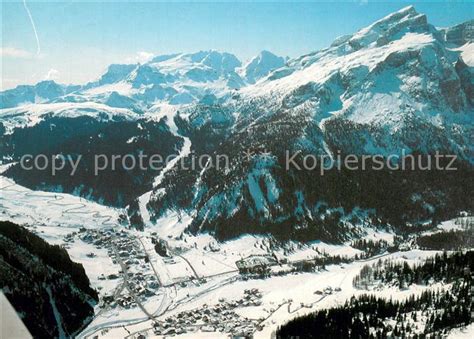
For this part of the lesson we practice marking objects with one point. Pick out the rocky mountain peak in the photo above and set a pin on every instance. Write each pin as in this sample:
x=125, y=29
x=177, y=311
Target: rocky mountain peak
x=261, y=65
x=389, y=28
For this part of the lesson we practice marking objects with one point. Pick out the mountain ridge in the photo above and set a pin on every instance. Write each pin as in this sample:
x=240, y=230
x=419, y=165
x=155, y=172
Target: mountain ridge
x=400, y=89
x=175, y=78
x=395, y=87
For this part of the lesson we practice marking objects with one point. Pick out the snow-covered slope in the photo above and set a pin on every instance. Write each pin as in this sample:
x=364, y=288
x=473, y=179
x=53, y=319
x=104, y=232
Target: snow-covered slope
x=31, y=114
x=396, y=72
x=43, y=91
x=260, y=66
x=467, y=53
x=175, y=79
x=396, y=86
x=384, y=50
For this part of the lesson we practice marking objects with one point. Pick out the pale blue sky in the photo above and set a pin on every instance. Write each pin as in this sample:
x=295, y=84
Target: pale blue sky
x=79, y=39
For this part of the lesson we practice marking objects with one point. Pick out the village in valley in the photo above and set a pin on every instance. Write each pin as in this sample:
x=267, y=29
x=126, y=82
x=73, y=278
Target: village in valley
x=163, y=282
x=139, y=282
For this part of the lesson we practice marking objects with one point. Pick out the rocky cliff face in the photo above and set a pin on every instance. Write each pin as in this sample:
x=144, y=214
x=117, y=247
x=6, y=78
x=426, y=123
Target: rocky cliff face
x=395, y=86
x=176, y=79
x=399, y=86
x=460, y=34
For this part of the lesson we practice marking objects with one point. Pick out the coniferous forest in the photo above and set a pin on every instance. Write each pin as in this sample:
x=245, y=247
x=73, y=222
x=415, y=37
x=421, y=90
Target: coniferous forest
x=432, y=313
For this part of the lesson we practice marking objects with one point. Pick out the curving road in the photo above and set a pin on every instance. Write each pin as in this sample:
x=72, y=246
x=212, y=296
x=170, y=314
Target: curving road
x=54, y=199
x=166, y=304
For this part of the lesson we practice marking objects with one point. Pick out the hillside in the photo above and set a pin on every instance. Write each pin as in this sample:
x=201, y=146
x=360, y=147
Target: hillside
x=396, y=89
x=366, y=316
x=51, y=293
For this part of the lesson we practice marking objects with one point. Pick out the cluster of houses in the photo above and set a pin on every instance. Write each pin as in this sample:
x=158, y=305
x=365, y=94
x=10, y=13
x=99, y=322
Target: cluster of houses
x=97, y=237
x=256, y=264
x=124, y=245
x=114, y=241
x=124, y=301
x=143, y=286
x=328, y=291
x=217, y=318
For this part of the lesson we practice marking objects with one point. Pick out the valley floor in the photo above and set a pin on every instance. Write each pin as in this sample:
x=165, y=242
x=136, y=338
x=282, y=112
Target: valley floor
x=197, y=291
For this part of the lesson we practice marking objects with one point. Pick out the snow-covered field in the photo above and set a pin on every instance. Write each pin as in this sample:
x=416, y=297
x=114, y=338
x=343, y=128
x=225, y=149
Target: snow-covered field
x=462, y=333
x=199, y=271
x=30, y=115
x=52, y=209
x=55, y=215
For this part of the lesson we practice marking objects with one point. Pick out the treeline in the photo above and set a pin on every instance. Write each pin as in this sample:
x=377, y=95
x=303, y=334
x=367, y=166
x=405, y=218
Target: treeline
x=440, y=268
x=451, y=240
x=40, y=281
x=432, y=313
x=52, y=255
x=89, y=137
x=370, y=247
x=312, y=265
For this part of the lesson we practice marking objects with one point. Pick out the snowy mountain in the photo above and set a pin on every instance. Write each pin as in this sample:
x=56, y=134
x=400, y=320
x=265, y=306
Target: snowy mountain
x=459, y=34
x=398, y=84
x=175, y=79
x=260, y=66
x=44, y=91
x=395, y=85
x=246, y=241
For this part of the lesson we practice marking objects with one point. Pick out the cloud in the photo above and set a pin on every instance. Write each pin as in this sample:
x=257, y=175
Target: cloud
x=140, y=57
x=53, y=74
x=13, y=52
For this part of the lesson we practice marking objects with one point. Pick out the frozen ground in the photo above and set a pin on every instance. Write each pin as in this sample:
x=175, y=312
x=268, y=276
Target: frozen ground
x=52, y=209
x=30, y=115
x=143, y=288
x=462, y=333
